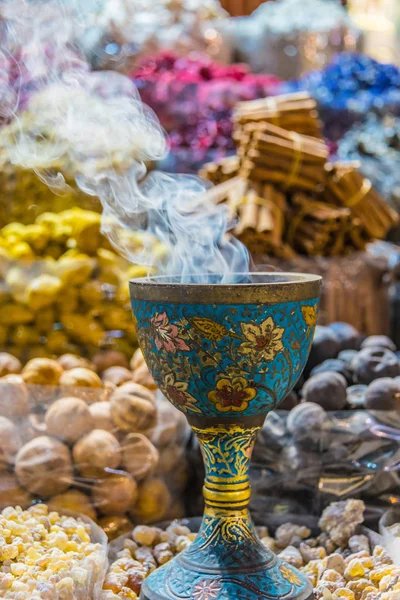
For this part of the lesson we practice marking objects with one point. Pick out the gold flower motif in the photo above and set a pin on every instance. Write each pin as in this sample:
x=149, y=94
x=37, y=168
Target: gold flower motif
x=263, y=341
x=309, y=315
x=176, y=392
x=290, y=575
x=211, y=330
x=232, y=393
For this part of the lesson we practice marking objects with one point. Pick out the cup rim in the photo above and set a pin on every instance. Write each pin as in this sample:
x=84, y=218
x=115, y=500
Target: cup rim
x=282, y=287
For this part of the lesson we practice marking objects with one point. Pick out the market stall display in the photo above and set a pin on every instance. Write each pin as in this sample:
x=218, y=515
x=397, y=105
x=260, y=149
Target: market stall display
x=341, y=559
x=328, y=209
x=194, y=97
x=92, y=440
x=339, y=433
x=295, y=210
x=43, y=168
x=64, y=289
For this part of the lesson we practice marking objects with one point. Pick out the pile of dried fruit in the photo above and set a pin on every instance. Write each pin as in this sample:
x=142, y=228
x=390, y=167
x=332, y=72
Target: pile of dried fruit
x=63, y=288
x=326, y=434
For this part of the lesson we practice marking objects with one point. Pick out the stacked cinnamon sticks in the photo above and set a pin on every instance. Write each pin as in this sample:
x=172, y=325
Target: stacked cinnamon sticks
x=286, y=198
x=293, y=112
x=285, y=158
x=222, y=170
x=316, y=228
x=346, y=186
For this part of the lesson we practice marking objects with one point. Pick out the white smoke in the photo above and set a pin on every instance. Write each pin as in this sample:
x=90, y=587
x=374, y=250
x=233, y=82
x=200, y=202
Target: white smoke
x=97, y=124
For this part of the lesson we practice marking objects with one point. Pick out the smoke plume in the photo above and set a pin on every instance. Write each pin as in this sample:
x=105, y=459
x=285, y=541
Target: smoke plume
x=97, y=124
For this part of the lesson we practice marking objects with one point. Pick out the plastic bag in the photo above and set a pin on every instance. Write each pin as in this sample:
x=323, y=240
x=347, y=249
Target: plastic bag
x=54, y=556
x=389, y=529
x=351, y=454
x=114, y=453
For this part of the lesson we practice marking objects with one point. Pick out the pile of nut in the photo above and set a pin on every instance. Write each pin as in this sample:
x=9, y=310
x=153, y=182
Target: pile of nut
x=340, y=563
x=44, y=555
x=63, y=288
x=98, y=443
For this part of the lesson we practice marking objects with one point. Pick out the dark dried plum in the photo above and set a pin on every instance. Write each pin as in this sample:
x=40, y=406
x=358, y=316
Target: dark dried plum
x=326, y=389
x=305, y=421
x=372, y=363
x=379, y=341
x=333, y=365
x=356, y=395
x=383, y=394
x=290, y=401
x=348, y=336
x=347, y=356
x=325, y=345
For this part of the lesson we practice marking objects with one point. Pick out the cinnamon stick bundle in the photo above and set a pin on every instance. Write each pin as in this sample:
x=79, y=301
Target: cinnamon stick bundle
x=222, y=170
x=261, y=221
x=346, y=186
x=284, y=158
x=316, y=228
x=294, y=112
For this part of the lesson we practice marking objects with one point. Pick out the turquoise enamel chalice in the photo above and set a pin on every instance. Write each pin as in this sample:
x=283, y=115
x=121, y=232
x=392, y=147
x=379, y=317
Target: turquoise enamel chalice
x=226, y=355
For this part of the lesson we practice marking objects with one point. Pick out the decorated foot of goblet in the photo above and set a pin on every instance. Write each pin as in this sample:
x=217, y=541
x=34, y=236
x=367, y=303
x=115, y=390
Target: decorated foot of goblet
x=226, y=355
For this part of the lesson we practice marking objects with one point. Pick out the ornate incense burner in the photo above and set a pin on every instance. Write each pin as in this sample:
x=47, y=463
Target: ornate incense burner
x=226, y=355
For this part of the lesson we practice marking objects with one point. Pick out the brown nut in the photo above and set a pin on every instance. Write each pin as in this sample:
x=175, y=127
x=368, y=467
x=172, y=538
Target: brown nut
x=117, y=375
x=11, y=493
x=9, y=364
x=82, y=383
x=14, y=397
x=101, y=415
x=139, y=456
x=115, y=525
x=80, y=377
x=73, y=500
x=42, y=371
x=116, y=494
x=72, y=361
x=69, y=419
x=153, y=502
x=133, y=408
x=109, y=358
x=95, y=452
x=141, y=373
x=43, y=466
x=43, y=374
x=10, y=442
x=165, y=431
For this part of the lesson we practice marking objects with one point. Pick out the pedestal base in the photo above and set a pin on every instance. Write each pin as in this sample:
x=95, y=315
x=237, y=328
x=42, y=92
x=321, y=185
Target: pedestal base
x=227, y=561
x=178, y=580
